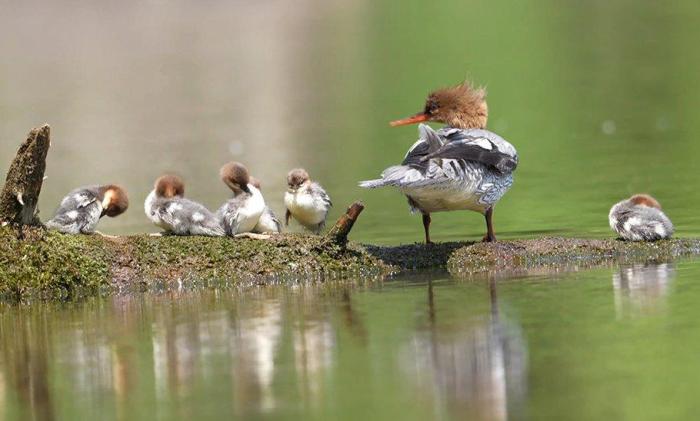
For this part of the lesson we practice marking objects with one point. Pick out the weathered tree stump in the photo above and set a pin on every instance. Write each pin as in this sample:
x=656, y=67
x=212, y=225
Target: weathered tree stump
x=20, y=195
x=338, y=234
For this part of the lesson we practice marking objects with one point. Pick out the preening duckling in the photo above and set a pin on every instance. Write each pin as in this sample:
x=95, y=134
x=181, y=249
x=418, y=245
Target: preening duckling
x=168, y=209
x=242, y=212
x=81, y=210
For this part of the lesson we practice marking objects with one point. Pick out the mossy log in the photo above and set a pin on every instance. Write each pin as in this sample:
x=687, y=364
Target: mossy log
x=46, y=264
x=20, y=194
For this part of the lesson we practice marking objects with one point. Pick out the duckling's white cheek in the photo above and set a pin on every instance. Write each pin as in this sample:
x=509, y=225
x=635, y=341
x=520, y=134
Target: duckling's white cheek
x=72, y=215
x=197, y=217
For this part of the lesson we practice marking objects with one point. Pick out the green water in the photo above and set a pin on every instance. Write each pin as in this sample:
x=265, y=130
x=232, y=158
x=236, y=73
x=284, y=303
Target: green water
x=612, y=343
x=600, y=98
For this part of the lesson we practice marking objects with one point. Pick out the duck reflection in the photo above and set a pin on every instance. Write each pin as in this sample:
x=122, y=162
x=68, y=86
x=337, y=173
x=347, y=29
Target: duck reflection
x=175, y=348
x=252, y=335
x=641, y=288
x=256, y=339
x=477, y=370
x=314, y=339
x=313, y=342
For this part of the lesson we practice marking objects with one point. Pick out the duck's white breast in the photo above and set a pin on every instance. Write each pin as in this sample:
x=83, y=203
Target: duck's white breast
x=304, y=207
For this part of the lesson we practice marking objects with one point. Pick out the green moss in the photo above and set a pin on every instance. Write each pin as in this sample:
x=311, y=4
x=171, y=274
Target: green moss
x=51, y=265
x=175, y=258
x=563, y=252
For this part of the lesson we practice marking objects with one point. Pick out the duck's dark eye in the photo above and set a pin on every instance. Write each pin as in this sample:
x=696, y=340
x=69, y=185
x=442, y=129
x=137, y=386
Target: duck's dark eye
x=431, y=107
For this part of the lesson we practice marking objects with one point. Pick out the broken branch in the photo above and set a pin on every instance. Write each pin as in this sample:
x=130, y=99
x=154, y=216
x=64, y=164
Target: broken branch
x=338, y=234
x=20, y=194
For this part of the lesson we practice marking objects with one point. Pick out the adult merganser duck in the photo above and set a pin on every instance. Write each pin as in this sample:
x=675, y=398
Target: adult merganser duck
x=268, y=222
x=242, y=212
x=81, y=210
x=461, y=166
x=640, y=218
x=306, y=201
x=168, y=209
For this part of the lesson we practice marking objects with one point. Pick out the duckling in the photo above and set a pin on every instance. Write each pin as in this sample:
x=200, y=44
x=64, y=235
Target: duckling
x=306, y=201
x=268, y=222
x=640, y=218
x=168, y=209
x=242, y=212
x=81, y=210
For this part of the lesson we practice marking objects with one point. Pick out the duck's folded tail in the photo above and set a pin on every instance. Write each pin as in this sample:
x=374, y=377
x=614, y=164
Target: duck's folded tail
x=397, y=175
x=372, y=184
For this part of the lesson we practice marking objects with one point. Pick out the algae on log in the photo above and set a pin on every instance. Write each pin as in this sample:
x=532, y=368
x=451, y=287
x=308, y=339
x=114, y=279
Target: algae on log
x=20, y=194
x=563, y=253
x=48, y=264
x=51, y=265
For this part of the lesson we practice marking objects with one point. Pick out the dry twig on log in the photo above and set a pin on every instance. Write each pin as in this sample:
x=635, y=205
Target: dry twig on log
x=338, y=234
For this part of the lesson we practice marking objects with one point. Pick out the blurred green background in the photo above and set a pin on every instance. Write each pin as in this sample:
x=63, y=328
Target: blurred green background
x=600, y=98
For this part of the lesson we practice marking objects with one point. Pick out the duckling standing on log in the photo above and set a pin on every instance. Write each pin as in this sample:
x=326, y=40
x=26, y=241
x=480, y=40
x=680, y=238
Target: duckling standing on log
x=640, y=218
x=459, y=167
x=268, y=222
x=81, y=210
x=242, y=212
x=168, y=209
x=306, y=201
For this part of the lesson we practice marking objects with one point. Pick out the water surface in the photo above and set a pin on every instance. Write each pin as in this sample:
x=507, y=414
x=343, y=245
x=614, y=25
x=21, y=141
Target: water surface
x=609, y=343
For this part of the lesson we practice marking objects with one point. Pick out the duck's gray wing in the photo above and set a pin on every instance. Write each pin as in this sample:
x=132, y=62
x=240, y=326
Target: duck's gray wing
x=428, y=142
x=79, y=212
x=188, y=217
x=643, y=223
x=478, y=146
x=273, y=217
x=318, y=192
x=230, y=214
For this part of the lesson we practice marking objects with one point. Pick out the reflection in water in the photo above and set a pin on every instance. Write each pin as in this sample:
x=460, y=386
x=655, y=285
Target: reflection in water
x=476, y=369
x=313, y=345
x=256, y=339
x=24, y=367
x=641, y=288
x=394, y=350
x=278, y=350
